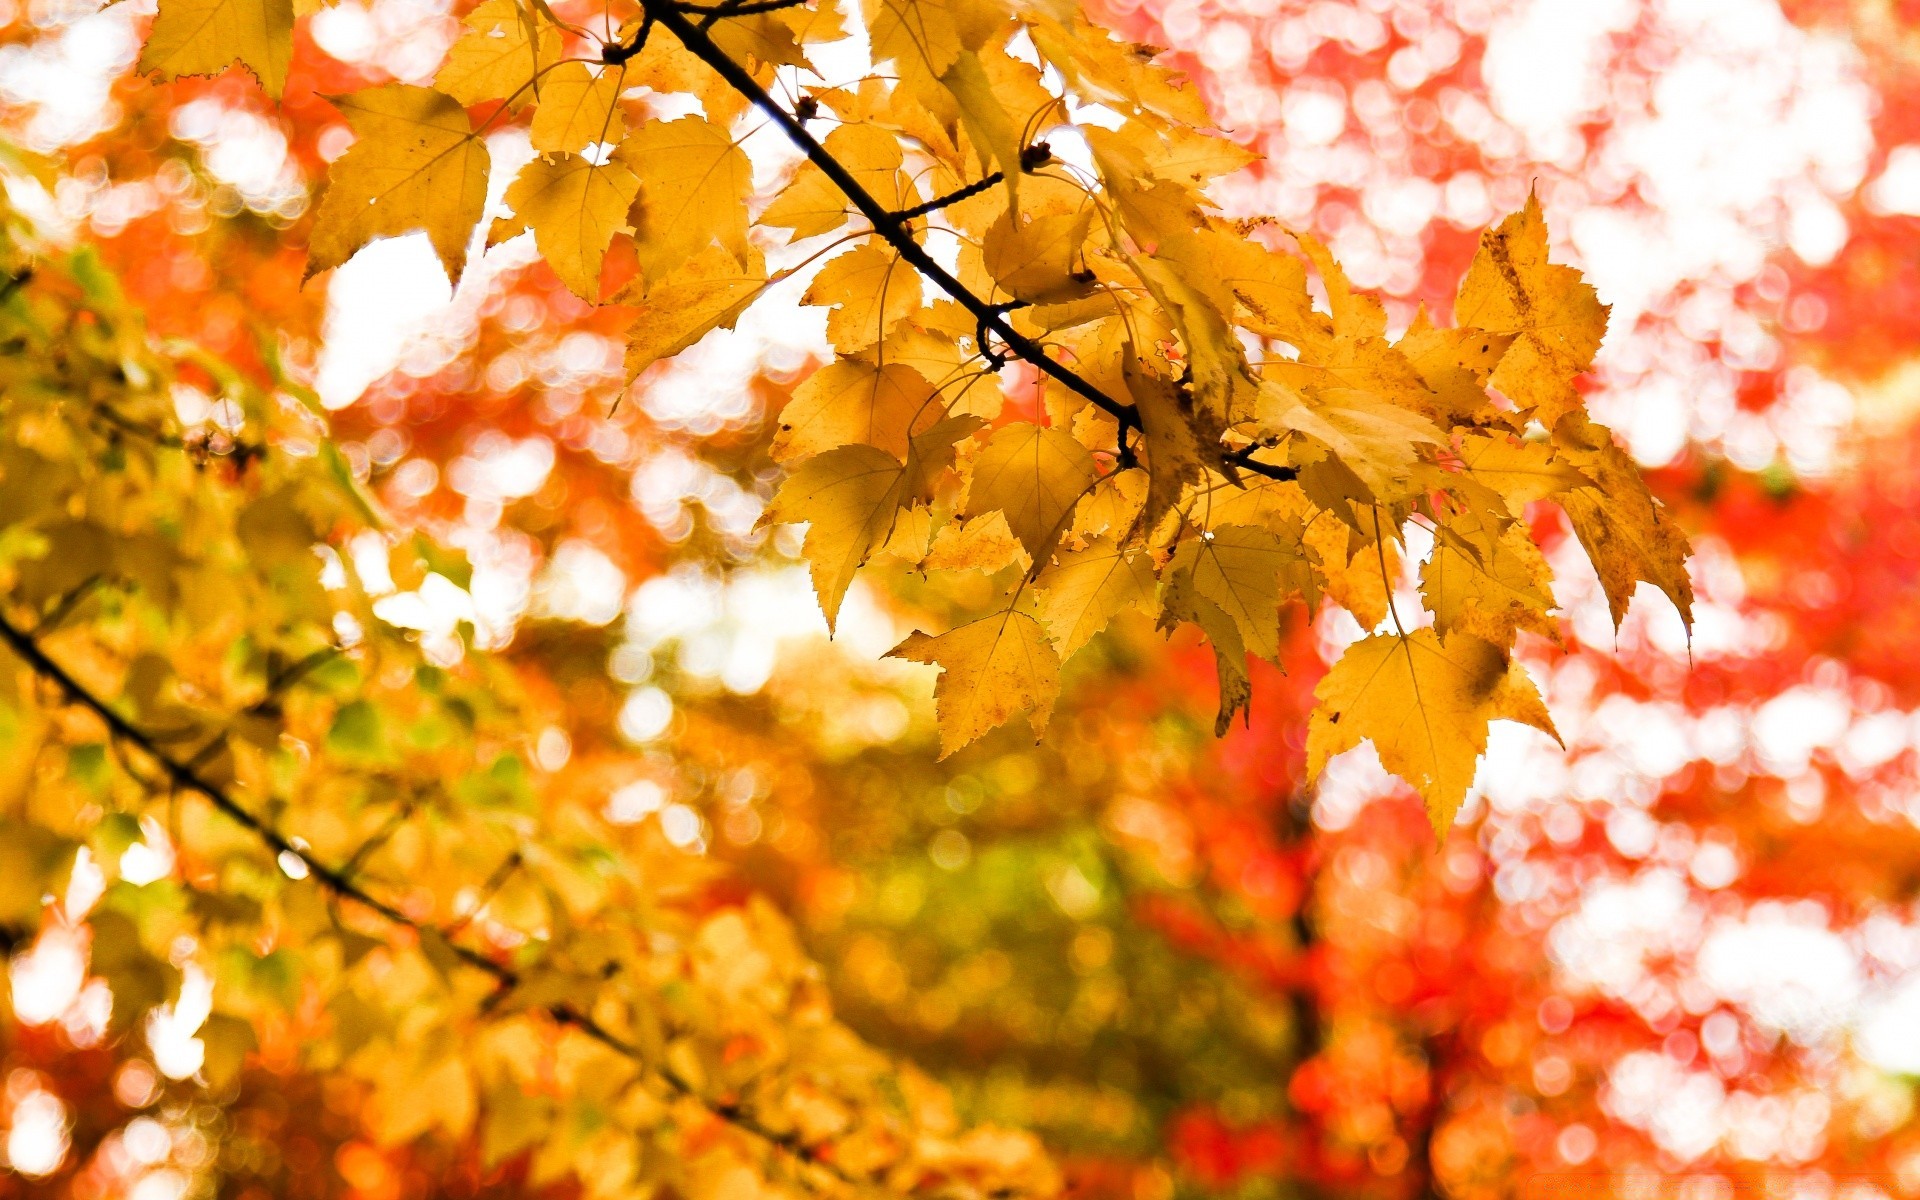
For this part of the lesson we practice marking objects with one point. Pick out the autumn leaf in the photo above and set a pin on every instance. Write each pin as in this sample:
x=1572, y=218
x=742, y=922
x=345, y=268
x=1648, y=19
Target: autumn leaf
x=1425, y=704
x=578, y=108
x=854, y=401
x=498, y=56
x=870, y=290
x=418, y=165
x=708, y=292
x=1629, y=535
x=1082, y=592
x=1183, y=442
x=694, y=184
x=574, y=206
x=1376, y=438
x=1035, y=475
x=848, y=498
x=205, y=37
x=983, y=543
x=1244, y=570
x=1555, y=318
x=1036, y=260
x=992, y=670
x=1487, y=579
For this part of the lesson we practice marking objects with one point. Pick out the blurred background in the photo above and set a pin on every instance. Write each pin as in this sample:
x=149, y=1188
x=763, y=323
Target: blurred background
x=1688, y=943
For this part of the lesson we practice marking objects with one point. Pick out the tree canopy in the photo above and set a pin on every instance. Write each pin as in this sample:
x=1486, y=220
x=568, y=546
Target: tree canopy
x=289, y=787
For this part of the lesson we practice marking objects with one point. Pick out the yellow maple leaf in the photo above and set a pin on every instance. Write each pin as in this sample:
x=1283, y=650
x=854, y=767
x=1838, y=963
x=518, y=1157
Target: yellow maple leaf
x=854, y=401
x=1035, y=475
x=1627, y=533
x=1486, y=578
x=574, y=207
x=870, y=289
x=849, y=499
x=1183, y=441
x=981, y=544
x=1036, y=260
x=1376, y=438
x=578, y=108
x=1355, y=314
x=811, y=204
x=919, y=36
x=1246, y=571
x=694, y=184
x=1521, y=472
x=992, y=670
x=1456, y=365
x=1425, y=704
x=1113, y=505
x=500, y=55
x=1556, y=319
x=1180, y=601
x=708, y=292
x=417, y=165
x=1082, y=592
x=1115, y=73
x=205, y=37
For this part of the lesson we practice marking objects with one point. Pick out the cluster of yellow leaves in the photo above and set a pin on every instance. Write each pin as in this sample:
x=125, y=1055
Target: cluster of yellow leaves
x=372, y=866
x=1214, y=445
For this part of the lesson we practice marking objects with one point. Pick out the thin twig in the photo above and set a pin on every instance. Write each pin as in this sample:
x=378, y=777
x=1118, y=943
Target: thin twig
x=954, y=197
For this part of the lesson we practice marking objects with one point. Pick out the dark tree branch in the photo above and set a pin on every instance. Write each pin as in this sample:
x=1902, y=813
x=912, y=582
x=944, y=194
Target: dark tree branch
x=891, y=228
x=183, y=777
x=738, y=10
x=954, y=197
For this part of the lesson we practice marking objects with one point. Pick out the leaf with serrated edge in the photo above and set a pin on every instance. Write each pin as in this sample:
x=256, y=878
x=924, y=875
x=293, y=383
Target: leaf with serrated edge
x=853, y=401
x=418, y=165
x=694, y=184
x=574, y=207
x=708, y=292
x=205, y=37
x=1425, y=705
x=1085, y=590
x=1035, y=475
x=494, y=58
x=578, y=108
x=992, y=669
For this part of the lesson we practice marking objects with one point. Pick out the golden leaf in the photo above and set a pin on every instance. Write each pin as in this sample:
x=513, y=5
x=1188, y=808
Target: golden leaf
x=1085, y=590
x=1555, y=317
x=849, y=497
x=578, y=108
x=708, y=292
x=1035, y=475
x=1521, y=472
x=811, y=204
x=1183, y=443
x=981, y=544
x=853, y=401
x=205, y=37
x=1627, y=533
x=1486, y=579
x=574, y=207
x=496, y=57
x=418, y=165
x=992, y=669
x=1376, y=438
x=1179, y=601
x=1034, y=260
x=870, y=289
x=1425, y=704
x=694, y=184
x=1246, y=571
